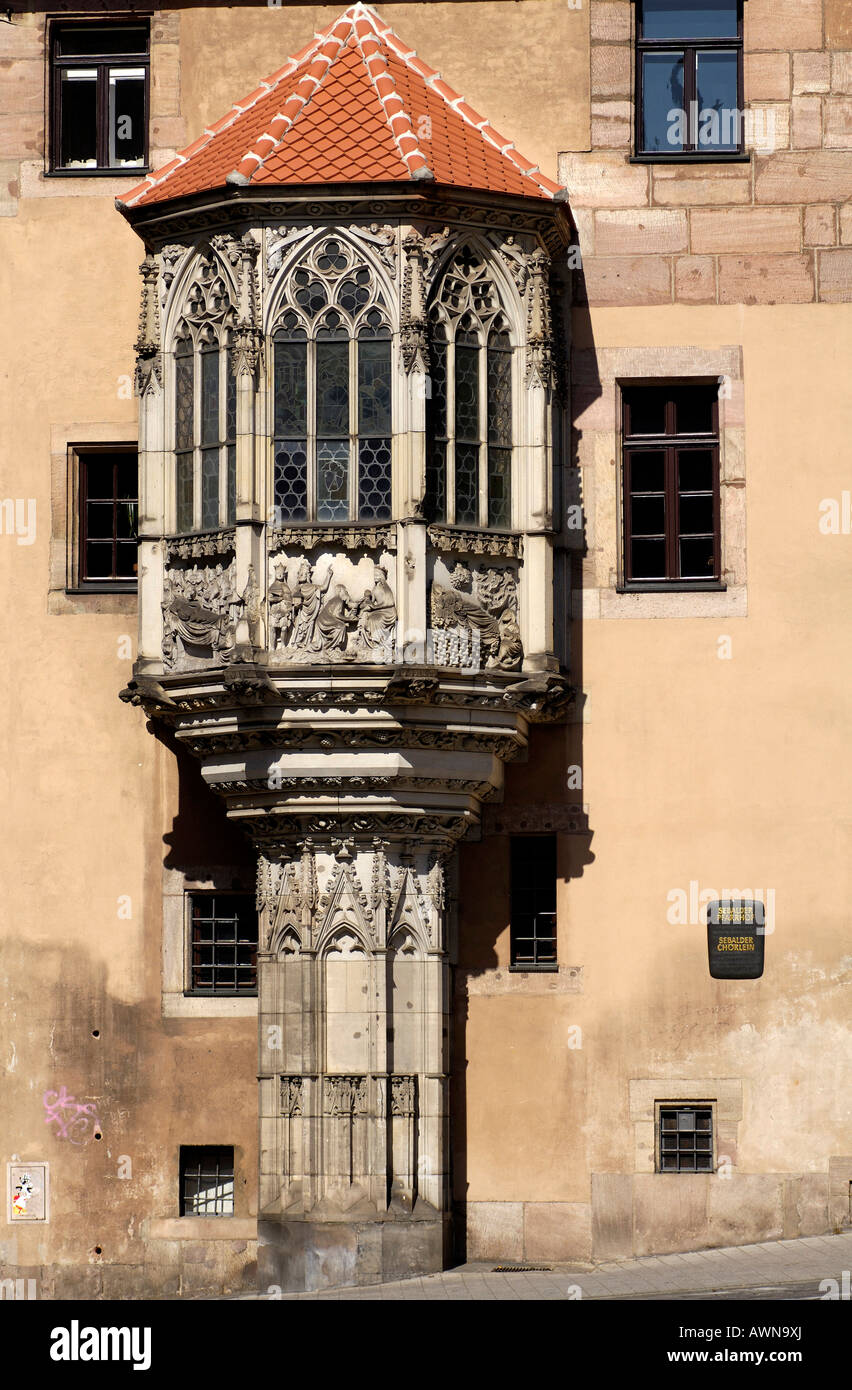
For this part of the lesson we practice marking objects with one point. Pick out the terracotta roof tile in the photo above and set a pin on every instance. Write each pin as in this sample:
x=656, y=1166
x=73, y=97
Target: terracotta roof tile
x=355, y=105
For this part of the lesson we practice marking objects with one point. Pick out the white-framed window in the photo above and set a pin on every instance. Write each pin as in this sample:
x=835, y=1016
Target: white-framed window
x=331, y=391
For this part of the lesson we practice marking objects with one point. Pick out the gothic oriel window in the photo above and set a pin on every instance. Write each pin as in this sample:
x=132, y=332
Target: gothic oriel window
x=332, y=392
x=205, y=410
x=469, y=409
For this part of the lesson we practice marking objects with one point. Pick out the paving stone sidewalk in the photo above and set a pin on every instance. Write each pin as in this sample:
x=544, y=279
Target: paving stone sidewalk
x=748, y=1271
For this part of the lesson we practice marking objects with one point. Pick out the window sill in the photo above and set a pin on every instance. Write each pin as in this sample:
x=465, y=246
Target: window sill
x=136, y=172
x=551, y=968
x=675, y=586
x=106, y=588
x=696, y=157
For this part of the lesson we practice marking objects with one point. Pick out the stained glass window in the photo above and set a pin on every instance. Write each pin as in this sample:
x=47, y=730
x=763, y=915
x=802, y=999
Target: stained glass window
x=184, y=431
x=499, y=429
x=436, y=431
x=332, y=392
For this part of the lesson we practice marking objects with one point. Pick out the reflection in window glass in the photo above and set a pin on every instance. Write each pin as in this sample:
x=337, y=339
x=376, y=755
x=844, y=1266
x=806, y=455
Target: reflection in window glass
x=679, y=19
x=718, y=111
x=662, y=102
x=79, y=135
x=126, y=117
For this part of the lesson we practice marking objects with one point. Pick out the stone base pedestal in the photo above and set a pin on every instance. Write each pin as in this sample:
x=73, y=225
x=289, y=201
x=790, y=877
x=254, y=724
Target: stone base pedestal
x=301, y=1256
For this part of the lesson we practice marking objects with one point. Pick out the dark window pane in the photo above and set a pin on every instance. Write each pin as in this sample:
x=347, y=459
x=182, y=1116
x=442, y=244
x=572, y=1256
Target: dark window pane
x=126, y=116
x=127, y=471
x=499, y=487
x=467, y=393
x=533, y=899
x=719, y=119
x=647, y=559
x=499, y=391
x=647, y=471
x=126, y=566
x=697, y=558
x=232, y=483
x=374, y=387
x=694, y=409
x=467, y=484
x=99, y=559
x=648, y=516
x=332, y=389
x=646, y=411
x=436, y=432
x=100, y=478
x=290, y=387
x=78, y=144
x=436, y=482
x=695, y=516
x=662, y=102
x=209, y=489
x=91, y=39
x=185, y=504
x=689, y=19
x=695, y=470
x=126, y=520
x=183, y=395
x=210, y=396
x=291, y=480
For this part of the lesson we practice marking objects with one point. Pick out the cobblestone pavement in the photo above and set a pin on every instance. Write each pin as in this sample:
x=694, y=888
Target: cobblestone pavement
x=780, y=1269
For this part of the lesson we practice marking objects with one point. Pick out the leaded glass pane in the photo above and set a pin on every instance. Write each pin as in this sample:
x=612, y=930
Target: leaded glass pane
x=232, y=483
x=332, y=388
x=184, y=492
x=499, y=486
x=209, y=488
x=499, y=390
x=354, y=294
x=291, y=480
x=183, y=394
x=436, y=434
x=374, y=479
x=467, y=393
x=467, y=484
x=210, y=395
x=291, y=397
x=374, y=387
x=230, y=398
x=332, y=480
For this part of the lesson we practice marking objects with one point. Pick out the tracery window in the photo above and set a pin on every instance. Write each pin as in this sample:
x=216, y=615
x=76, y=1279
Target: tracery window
x=332, y=392
x=469, y=410
x=205, y=407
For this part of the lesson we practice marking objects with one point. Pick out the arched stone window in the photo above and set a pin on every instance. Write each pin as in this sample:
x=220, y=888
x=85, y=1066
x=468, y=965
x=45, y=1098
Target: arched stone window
x=331, y=368
x=205, y=407
x=469, y=410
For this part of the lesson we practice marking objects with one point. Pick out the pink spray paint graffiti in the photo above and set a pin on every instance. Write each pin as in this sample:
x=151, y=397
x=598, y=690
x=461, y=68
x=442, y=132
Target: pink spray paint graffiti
x=77, y=1123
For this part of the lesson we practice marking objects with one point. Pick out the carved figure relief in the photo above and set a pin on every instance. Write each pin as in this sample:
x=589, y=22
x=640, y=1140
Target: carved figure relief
x=483, y=602
x=314, y=620
x=200, y=610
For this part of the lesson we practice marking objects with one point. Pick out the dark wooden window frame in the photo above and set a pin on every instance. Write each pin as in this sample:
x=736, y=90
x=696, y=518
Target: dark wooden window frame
x=79, y=583
x=102, y=62
x=219, y=1161
x=194, y=990
x=669, y=443
x=543, y=941
x=689, y=47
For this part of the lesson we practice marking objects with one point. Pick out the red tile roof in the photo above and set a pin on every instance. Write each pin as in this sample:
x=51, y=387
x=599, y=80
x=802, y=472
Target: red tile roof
x=356, y=105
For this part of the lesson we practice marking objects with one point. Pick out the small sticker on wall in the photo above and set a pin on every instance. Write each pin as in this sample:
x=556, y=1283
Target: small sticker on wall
x=27, y=1187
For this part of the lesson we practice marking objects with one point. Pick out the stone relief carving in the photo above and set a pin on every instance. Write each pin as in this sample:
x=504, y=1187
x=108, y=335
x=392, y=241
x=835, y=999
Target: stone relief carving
x=403, y=1095
x=200, y=546
x=445, y=538
x=200, y=609
x=344, y=1095
x=149, y=361
x=380, y=240
x=291, y=1095
x=309, y=538
x=484, y=602
x=313, y=620
x=279, y=241
x=170, y=256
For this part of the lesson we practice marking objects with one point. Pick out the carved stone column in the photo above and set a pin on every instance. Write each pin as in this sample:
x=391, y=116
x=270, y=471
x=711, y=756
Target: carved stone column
x=353, y=1060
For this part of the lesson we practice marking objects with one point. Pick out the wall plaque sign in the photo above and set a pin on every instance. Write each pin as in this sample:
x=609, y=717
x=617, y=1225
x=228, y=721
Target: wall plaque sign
x=735, y=938
x=27, y=1191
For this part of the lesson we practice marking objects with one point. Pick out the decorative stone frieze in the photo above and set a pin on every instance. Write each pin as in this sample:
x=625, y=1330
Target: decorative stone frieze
x=483, y=602
x=451, y=540
x=200, y=546
x=309, y=538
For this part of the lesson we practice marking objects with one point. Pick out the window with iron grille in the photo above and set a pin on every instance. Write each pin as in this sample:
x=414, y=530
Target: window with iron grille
x=689, y=79
x=99, y=97
x=671, y=486
x=533, y=902
x=223, y=943
x=206, y=1181
x=685, y=1139
x=108, y=516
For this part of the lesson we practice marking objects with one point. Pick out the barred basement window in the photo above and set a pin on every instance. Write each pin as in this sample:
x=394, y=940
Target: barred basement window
x=223, y=943
x=469, y=410
x=686, y=1139
x=206, y=1181
x=332, y=392
x=533, y=902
